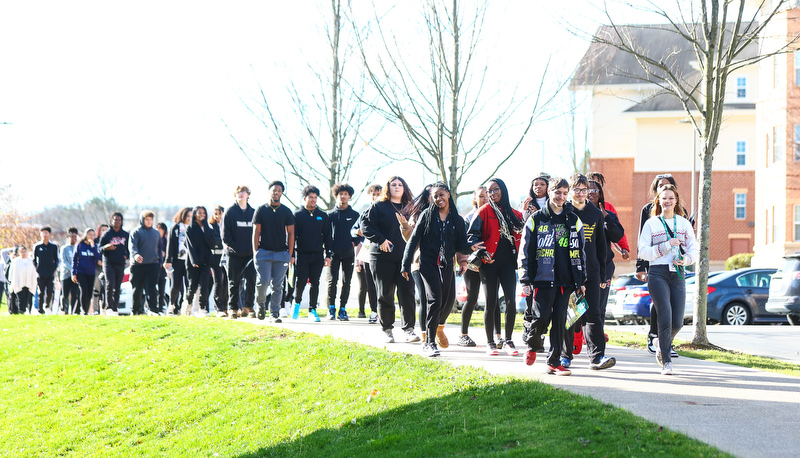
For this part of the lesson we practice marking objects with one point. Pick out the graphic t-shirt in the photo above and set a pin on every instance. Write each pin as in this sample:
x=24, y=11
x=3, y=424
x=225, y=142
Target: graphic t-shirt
x=562, y=273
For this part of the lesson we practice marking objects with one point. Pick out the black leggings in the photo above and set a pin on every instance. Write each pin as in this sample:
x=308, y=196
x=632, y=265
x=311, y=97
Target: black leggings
x=179, y=278
x=592, y=323
x=386, y=273
x=199, y=277
x=220, y=287
x=472, y=280
x=366, y=289
x=494, y=276
x=86, y=285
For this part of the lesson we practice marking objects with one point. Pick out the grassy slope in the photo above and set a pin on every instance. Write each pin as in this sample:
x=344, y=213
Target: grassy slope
x=93, y=386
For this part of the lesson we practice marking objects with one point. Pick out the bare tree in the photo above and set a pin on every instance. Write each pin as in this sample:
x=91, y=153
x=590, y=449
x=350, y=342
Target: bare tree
x=721, y=38
x=443, y=109
x=16, y=228
x=331, y=120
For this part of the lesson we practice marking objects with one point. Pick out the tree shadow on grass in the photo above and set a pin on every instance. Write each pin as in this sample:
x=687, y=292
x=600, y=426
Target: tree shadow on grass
x=519, y=418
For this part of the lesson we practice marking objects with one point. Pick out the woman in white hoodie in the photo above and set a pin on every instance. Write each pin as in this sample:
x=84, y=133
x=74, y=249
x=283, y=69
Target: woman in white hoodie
x=23, y=280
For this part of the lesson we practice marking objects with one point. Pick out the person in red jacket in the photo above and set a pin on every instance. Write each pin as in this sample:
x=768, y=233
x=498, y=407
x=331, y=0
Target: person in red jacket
x=498, y=226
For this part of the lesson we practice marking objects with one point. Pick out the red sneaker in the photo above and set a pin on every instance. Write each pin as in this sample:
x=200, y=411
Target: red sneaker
x=577, y=345
x=606, y=335
x=560, y=370
x=530, y=357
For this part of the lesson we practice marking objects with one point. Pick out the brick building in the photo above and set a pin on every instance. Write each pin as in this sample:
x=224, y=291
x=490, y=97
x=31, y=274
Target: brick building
x=638, y=133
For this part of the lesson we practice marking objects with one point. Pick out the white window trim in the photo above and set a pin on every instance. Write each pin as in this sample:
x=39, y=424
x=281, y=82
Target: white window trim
x=737, y=153
x=737, y=206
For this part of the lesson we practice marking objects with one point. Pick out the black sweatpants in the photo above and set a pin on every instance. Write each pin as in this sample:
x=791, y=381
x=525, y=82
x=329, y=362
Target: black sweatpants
x=70, y=294
x=387, y=277
x=494, y=276
x=220, y=288
x=113, y=274
x=346, y=265
x=366, y=289
x=241, y=268
x=592, y=323
x=143, y=280
x=24, y=301
x=308, y=269
x=161, y=289
x=179, y=284
x=199, y=278
x=86, y=285
x=549, y=307
x=13, y=304
x=45, y=284
x=437, y=297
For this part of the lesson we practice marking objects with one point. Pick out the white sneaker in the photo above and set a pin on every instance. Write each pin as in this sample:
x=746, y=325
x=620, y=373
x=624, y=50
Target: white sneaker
x=411, y=336
x=203, y=314
x=667, y=370
x=658, y=352
x=373, y=317
x=389, y=336
x=284, y=313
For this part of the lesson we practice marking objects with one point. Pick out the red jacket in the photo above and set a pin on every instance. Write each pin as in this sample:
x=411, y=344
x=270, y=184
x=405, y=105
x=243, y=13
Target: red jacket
x=486, y=228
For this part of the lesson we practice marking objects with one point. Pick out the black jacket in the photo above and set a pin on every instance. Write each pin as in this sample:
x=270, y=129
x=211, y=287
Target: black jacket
x=45, y=258
x=120, y=240
x=237, y=230
x=595, y=246
x=174, y=248
x=216, y=248
x=342, y=221
x=454, y=240
x=199, y=240
x=379, y=224
x=538, y=248
x=312, y=232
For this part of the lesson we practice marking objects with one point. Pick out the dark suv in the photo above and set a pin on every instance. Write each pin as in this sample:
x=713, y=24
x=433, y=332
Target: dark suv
x=784, y=290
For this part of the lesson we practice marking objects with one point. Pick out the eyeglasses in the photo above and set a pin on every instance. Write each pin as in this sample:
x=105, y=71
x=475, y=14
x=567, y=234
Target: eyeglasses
x=493, y=191
x=580, y=190
x=663, y=175
x=593, y=191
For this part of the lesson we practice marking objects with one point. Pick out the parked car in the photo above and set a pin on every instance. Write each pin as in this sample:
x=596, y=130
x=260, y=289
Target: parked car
x=784, y=290
x=736, y=297
x=126, y=293
x=633, y=304
x=616, y=294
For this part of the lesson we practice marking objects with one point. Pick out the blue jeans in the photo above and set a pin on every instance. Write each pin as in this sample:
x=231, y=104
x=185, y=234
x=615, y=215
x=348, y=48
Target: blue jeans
x=271, y=267
x=669, y=298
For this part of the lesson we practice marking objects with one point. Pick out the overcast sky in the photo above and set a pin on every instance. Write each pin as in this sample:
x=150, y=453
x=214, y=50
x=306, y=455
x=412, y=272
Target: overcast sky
x=138, y=92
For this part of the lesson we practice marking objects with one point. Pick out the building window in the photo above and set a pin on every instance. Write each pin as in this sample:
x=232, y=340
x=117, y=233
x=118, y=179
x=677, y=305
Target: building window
x=778, y=143
x=741, y=87
x=797, y=68
x=740, y=205
x=797, y=142
x=741, y=153
x=797, y=223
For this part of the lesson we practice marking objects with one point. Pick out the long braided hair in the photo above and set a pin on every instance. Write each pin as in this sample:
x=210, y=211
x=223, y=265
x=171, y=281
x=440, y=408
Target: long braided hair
x=428, y=215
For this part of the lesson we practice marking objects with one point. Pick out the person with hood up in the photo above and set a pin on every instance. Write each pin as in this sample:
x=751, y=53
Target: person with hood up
x=144, y=245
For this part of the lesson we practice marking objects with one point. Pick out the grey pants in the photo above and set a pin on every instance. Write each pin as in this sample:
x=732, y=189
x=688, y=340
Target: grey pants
x=668, y=291
x=271, y=267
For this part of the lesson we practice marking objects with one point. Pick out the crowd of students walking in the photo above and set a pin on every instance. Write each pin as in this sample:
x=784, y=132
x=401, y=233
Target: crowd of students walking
x=260, y=260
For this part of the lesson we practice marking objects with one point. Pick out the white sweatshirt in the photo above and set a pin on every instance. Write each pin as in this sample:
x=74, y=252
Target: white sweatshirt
x=654, y=241
x=22, y=274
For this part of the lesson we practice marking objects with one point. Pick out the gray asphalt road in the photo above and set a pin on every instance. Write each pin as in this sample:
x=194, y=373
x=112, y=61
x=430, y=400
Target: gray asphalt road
x=780, y=342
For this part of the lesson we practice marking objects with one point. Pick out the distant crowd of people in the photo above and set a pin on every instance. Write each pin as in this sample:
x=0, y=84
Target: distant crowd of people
x=562, y=238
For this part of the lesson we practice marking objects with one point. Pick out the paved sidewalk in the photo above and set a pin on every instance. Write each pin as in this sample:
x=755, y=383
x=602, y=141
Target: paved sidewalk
x=743, y=411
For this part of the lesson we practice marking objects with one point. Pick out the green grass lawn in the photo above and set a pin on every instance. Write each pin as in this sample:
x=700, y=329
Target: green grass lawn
x=97, y=387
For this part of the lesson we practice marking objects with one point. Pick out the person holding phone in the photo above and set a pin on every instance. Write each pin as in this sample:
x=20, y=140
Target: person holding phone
x=383, y=224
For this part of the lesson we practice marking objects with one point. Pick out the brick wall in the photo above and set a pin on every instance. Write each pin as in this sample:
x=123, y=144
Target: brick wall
x=628, y=191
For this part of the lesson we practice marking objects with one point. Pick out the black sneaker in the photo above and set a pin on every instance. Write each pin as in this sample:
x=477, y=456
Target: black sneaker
x=262, y=311
x=650, y=347
x=673, y=353
x=466, y=341
x=362, y=314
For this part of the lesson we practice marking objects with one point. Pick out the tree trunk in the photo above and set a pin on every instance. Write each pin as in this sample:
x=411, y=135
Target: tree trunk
x=335, y=149
x=455, y=134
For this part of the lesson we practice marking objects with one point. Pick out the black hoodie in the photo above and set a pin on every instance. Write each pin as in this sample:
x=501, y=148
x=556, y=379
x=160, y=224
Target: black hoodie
x=312, y=231
x=199, y=241
x=342, y=222
x=596, y=244
x=237, y=230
